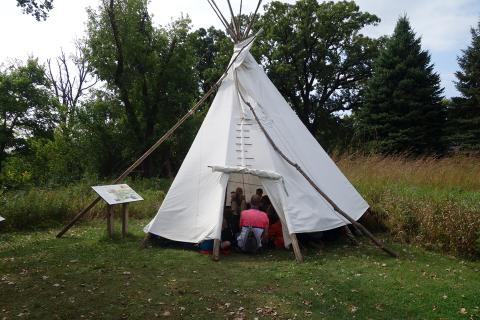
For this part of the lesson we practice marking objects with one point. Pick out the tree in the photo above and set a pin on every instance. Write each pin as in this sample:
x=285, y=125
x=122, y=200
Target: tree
x=150, y=70
x=464, y=115
x=37, y=8
x=26, y=106
x=403, y=109
x=71, y=79
x=213, y=50
x=317, y=56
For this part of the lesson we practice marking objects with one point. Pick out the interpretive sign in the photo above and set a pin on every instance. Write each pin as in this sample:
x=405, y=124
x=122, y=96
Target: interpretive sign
x=117, y=193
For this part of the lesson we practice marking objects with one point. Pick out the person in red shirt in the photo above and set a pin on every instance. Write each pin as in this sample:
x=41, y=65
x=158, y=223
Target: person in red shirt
x=275, y=233
x=253, y=220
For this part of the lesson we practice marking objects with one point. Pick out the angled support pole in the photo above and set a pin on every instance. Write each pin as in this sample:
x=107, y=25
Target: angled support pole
x=158, y=143
x=337, y=209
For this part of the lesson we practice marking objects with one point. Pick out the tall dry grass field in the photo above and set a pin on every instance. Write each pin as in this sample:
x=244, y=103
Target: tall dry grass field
x=431, y=201
x=442, y=173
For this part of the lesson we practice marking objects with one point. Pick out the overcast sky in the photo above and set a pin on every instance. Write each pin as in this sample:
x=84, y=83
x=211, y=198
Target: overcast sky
x=443, y=25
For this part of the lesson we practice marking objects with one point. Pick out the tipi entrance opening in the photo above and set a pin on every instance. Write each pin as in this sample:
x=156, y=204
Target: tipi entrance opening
x=249, y=184
x=272, y=188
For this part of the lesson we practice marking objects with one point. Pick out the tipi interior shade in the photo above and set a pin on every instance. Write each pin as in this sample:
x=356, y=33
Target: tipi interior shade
x=231, y=147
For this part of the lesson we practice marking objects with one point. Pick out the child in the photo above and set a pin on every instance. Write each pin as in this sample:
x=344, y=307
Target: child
x=275, y=233
x=206, y=246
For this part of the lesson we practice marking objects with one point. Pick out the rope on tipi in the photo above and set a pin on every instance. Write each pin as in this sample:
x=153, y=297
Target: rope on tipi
x=336, y=208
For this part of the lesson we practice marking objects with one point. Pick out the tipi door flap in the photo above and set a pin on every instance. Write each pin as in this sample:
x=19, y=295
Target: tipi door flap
x=217, y=210
x=278, y=197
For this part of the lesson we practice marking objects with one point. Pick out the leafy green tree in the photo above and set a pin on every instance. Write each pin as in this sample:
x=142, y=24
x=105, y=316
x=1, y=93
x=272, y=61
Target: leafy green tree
x=403, y=102
x=26, y=107
x=317, y=57
x=37, y=8
x=213, y=49
x=91, y=147
x=149, y=69
x=464, y=115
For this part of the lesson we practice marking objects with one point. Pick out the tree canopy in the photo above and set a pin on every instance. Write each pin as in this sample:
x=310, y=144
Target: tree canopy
x=402, y=111
x=464, y=115
x=315, y=54
x=37, y=8
x=26, y=107
x=154, y=72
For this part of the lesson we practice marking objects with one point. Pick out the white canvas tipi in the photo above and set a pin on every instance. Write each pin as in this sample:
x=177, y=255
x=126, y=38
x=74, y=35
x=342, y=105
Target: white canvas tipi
x=231, y=149
x=250, y=138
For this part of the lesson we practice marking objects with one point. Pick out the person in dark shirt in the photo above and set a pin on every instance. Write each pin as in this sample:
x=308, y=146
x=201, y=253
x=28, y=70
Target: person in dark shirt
x=259, y=192
x=265, y=204
x=238, y=204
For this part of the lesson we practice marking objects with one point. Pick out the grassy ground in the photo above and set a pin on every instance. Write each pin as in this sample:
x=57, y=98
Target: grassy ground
x=86, y=276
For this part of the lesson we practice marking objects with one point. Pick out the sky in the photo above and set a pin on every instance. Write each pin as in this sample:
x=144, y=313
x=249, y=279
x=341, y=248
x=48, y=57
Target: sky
x=443, y=25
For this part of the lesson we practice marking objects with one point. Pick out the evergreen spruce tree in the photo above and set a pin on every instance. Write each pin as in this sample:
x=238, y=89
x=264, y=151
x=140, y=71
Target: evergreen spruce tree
x=464, y=114
x=402, y=111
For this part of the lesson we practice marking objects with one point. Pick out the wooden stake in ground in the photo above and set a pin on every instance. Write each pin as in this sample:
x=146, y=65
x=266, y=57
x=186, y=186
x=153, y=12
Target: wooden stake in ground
x=124, y=220
x=296, y=248
x=216, y=249
x=110, y=221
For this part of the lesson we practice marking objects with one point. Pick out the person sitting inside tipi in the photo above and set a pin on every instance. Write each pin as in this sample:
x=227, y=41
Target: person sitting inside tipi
x=275, y=233
x=253, y=227
x=238, y=204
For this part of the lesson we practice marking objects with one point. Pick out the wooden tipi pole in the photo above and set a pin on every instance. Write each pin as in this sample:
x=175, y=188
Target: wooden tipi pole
x=158, y=143
x=249, y=27
x=222, y=19
x=235, y=23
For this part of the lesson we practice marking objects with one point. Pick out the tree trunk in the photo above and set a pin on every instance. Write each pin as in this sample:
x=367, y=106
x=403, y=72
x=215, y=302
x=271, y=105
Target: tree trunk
x=167, y=165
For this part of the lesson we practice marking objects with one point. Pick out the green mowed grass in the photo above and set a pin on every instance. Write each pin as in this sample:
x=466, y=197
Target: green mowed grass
x=86, y=276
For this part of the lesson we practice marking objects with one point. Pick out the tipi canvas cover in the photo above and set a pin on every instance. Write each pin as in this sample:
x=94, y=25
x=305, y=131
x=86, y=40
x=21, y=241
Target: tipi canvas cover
x=230, y=149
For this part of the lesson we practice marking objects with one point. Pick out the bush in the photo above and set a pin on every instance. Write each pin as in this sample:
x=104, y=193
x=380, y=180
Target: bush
x=15, y=172
x=37, y=208
x=445, y=224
